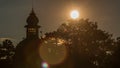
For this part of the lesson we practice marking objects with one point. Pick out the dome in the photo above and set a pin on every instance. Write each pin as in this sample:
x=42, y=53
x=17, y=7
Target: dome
x=32, y=19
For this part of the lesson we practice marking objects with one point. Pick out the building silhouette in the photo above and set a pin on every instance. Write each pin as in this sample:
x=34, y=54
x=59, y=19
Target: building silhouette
x=27, y=51
x=27, y=54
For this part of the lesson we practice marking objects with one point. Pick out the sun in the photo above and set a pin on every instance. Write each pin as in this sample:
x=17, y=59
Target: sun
x=74, y=14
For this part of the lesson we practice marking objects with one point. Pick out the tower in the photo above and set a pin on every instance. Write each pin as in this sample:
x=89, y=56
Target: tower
x=27, y=51
x=32, y=26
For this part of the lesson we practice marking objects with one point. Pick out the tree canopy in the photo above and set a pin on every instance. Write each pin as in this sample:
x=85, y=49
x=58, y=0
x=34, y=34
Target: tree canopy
x=7, y=51
x=88, y=45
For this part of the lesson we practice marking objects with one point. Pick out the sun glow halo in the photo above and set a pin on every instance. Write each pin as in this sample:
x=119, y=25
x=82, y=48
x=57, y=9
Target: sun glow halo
x=74, y=14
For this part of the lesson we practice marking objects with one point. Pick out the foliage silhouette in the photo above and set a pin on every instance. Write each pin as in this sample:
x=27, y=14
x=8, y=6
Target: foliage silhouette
x=115, y=59
x=88, y=46
x=6, y=54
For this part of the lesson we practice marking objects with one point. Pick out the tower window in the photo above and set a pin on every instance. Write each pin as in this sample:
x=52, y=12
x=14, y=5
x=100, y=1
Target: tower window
x=33, y=30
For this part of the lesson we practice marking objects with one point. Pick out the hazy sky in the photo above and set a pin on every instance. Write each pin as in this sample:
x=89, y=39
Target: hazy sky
x=52, y=13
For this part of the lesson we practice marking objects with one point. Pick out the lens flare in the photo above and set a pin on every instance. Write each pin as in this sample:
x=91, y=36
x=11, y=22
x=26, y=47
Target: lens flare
x=45, y=65
x=53, y=51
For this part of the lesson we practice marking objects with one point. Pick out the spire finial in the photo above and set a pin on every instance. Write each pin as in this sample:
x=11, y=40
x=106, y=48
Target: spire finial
x=32, y=5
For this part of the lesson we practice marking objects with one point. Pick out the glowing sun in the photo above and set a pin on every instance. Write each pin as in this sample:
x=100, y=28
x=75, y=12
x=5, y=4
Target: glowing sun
x=74, y=14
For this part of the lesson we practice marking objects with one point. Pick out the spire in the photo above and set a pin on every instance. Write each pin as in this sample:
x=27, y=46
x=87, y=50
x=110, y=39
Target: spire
x=32, y=11
x=32, y=25
x=32, y=4
x=32, y=18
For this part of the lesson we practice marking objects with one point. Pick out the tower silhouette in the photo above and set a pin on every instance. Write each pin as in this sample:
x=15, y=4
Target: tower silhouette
x=32, y=26
x=27, y=51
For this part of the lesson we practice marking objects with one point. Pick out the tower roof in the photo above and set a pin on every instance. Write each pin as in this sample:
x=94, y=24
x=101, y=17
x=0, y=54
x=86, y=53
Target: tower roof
x=32, y=18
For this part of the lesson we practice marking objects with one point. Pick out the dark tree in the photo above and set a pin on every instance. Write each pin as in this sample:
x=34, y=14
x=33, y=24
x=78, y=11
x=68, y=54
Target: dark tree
x=6, y=54
x=88, y=45
x=115, y=59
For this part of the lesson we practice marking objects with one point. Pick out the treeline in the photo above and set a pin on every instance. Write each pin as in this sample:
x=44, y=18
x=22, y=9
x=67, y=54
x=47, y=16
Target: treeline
x=87, y=45
x=7, y=51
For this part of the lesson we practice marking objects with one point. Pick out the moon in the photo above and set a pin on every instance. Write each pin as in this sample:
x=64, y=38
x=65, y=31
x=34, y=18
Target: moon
x=74, y=14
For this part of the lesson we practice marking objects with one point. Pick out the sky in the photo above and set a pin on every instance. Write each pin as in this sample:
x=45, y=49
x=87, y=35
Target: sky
x=52, y=13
